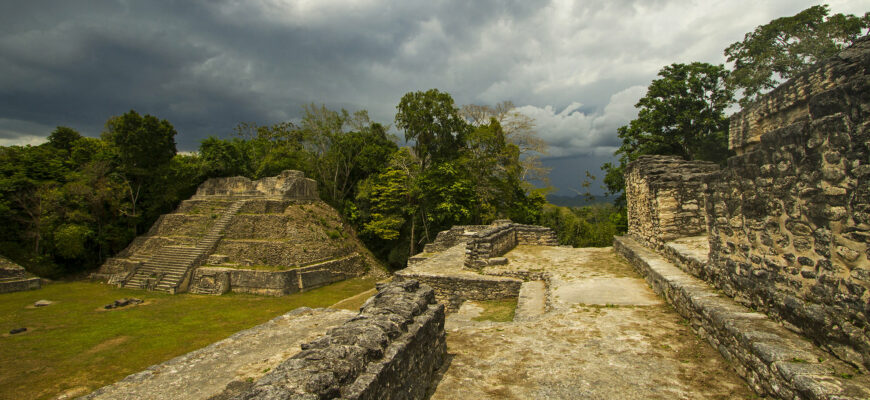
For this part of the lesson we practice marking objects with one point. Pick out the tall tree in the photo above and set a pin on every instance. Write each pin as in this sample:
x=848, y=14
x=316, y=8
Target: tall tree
x=433, y=122
x=145, y=144
x=519, y=129
x=780, y=49
x=682, y=113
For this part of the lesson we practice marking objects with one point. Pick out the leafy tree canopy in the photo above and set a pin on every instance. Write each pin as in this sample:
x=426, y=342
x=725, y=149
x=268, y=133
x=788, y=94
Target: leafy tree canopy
x=431, y=120
x=782, y=48
x=143, y=142
x=682, y=113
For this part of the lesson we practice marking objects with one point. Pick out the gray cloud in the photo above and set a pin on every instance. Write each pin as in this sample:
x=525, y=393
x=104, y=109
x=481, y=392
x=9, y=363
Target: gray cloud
x=577, y=67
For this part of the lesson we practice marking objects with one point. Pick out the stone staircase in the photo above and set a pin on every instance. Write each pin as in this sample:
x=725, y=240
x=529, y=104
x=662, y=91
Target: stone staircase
x=168, y=267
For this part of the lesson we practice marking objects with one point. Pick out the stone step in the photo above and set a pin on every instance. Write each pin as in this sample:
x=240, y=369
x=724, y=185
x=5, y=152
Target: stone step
x=532, y=301
x=774, y=360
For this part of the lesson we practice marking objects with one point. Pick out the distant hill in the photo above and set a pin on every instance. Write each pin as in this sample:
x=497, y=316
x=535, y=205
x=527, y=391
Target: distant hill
x=579, y=201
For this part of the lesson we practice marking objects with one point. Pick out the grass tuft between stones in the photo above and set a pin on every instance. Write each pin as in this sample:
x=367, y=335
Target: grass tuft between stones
x=497, y=310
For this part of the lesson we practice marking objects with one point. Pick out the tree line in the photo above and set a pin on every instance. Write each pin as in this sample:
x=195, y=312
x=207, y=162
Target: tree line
x=68, y=204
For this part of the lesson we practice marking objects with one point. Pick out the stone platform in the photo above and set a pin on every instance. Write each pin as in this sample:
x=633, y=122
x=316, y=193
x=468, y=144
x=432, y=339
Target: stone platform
x=772, y=359
x=605, y=335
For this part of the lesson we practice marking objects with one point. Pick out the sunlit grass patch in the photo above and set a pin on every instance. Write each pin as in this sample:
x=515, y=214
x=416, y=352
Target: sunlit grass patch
x=76, y=343
x=497, y=310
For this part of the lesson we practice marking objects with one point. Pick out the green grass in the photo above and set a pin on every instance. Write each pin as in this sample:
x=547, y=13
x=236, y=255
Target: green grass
x=76, y=344
x=497, y=310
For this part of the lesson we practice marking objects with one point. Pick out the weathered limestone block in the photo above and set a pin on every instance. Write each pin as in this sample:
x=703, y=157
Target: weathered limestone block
x=789, y=218
x=665, y=198
x=391, y=350
x=453, y=236
x=453, y=290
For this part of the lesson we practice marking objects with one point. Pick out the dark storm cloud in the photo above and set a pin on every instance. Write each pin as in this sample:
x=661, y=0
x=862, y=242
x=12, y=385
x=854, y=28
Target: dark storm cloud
x=576, y=67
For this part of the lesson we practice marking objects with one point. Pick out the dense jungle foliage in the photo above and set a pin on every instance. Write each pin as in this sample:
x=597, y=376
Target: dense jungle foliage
x=70, y=203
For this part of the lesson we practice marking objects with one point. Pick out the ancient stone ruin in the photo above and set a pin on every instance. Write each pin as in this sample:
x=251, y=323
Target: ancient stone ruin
x=783, y=232
x=465, y=263
x=272, y=236
x=766, y=259
x=14, y=278
x=391, y=349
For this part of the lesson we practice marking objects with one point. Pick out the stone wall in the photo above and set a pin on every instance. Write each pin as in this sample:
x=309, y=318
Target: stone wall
x=220, y=280
x=453, y=236
x=501, y=238
x=391, y=350
x=535, y=235
x=775, y=362
x=823, y=86
x=453, y=290
x=665, y=198
x=288, y=185
x=790, y=215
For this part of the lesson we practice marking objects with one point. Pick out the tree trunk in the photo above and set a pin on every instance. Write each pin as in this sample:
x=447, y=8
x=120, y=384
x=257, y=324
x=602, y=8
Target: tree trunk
x=411, y=250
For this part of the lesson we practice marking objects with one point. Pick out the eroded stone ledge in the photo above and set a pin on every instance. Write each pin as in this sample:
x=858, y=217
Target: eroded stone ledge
x=390, y=350
x=773, y=360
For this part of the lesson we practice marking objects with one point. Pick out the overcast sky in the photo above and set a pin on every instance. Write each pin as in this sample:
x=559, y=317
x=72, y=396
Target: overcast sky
x=577, y=67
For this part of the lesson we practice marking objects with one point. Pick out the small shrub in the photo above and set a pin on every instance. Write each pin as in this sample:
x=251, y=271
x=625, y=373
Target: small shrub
x=333, y=234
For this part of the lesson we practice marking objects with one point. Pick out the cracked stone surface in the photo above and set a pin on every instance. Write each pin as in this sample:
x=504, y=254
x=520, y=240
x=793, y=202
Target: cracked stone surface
x=608, y=336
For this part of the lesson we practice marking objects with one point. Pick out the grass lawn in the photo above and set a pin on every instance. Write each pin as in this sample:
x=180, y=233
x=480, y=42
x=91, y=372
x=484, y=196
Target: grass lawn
x=497, y=310
x=76, y=345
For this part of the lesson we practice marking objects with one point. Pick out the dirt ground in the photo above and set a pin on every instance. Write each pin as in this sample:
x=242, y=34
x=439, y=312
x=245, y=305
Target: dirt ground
x=607, y=336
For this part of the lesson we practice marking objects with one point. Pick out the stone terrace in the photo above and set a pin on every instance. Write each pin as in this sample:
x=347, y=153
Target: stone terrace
x=606, y=336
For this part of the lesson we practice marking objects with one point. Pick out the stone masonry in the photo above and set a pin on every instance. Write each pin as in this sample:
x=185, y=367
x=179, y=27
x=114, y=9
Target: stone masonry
x=390, y=350
x=787, y=235
x=276, y=224
x=502, y=236
x=290, y=185
x=665, y=198
x=790, y=215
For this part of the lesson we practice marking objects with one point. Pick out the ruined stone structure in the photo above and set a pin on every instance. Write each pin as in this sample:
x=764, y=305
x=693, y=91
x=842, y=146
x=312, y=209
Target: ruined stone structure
x=391, y=349
x=271, y=236
x=787, y=234
x=665, y=198
x=14, y=278
x=502, y=237
x=456, y=264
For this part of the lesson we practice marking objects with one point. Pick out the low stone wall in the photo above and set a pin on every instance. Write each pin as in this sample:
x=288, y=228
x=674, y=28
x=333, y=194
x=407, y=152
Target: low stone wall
x=453, y=236
x=220, y=280
x=391, y=350
x=535, y=235
x=774, y=361
x=453, y=290
x=492, y=242
x=790, y=216
x=502, y=238
x=665, y=198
